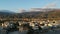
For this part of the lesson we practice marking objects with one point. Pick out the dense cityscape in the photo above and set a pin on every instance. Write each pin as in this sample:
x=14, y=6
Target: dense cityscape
x=29, y=16
x=33, y=23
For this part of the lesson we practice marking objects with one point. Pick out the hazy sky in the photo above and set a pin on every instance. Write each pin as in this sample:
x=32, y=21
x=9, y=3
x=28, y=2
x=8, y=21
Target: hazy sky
x=15, y=5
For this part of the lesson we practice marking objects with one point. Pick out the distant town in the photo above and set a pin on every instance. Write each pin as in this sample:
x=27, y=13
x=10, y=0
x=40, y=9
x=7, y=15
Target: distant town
x=34, y=22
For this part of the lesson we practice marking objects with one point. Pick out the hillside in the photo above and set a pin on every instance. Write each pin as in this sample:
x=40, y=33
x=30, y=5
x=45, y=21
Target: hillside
x=54, y=14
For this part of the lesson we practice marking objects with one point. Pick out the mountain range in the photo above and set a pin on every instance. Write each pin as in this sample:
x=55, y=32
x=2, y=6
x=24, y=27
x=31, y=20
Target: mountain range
x=49, y=13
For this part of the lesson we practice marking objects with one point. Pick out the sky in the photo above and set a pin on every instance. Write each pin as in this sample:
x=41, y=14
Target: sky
x=16, y=5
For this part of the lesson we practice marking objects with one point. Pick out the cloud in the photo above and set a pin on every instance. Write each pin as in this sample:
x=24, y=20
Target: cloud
x=21, y=10
x=51, y=5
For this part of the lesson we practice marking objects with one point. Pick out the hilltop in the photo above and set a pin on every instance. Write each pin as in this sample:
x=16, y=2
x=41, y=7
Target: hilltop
x=43, y=14
x=50, y=14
